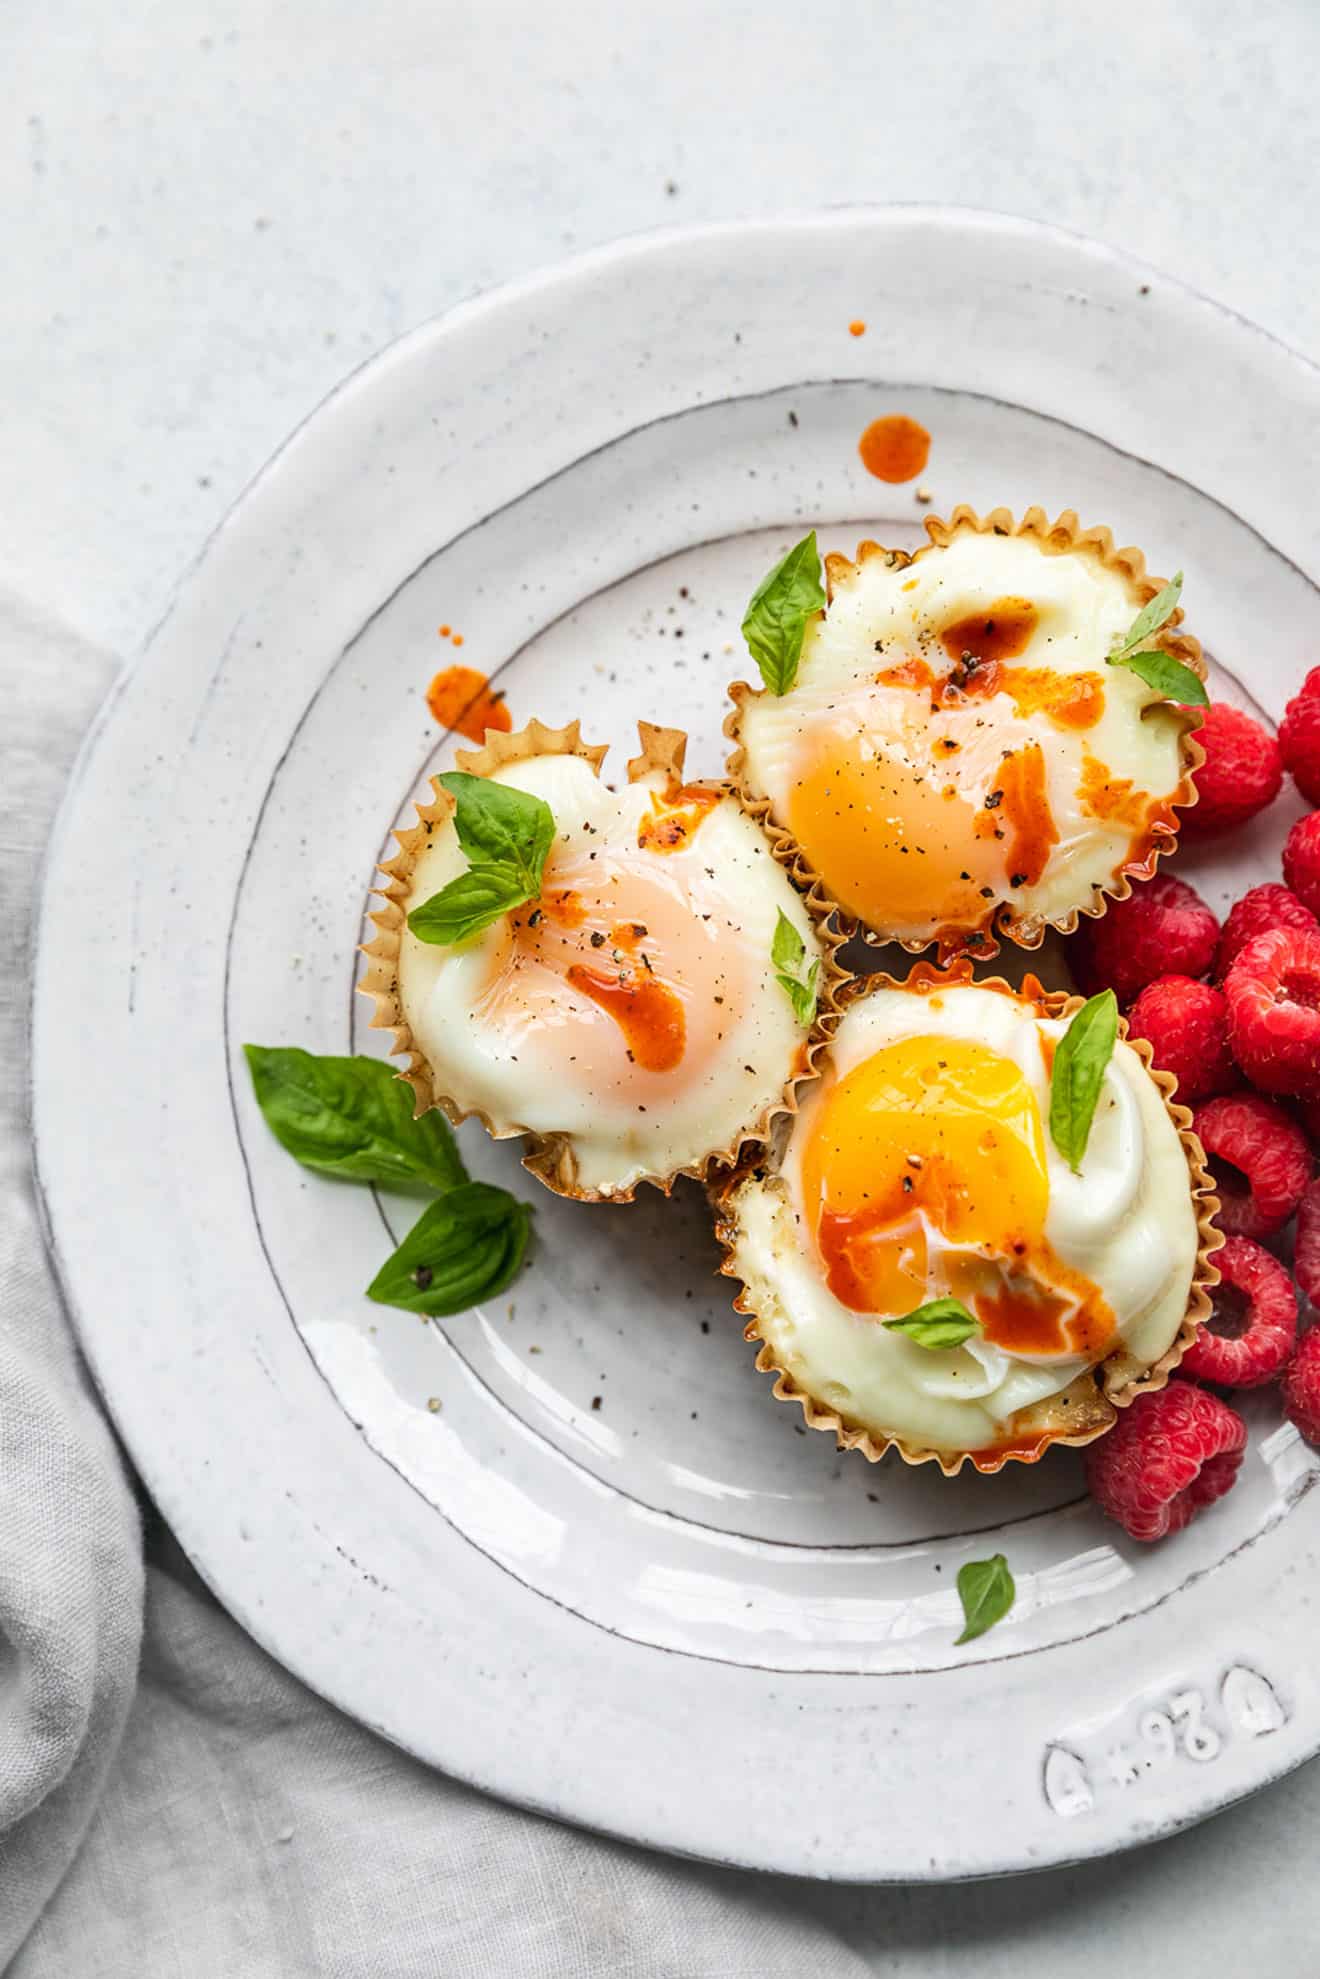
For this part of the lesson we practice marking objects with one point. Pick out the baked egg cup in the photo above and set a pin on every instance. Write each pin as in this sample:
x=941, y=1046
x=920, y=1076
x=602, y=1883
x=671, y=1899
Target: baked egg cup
x=955, y=759
x=627, y=1020
x=793, y=1227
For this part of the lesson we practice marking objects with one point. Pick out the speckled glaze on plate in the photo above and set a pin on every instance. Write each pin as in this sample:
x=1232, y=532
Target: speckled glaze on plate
x=665, y=1612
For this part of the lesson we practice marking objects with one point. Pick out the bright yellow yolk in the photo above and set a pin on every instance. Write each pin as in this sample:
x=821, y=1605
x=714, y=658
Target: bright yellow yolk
x=942, y=1135
x=889, y=844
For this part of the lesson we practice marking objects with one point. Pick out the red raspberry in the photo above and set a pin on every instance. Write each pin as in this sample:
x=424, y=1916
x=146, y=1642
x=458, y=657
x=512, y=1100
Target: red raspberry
x=1273, y=992
x=1241, y=774
x=1306, y=1250
x=1163, y=926
x=1186, y=1026
x=1253, y=1325
x=1263, y=908
x=1301, y=861
x=1166, y=1458
x=1301, y=1386
x=1299, y=739
x=1245, y=1136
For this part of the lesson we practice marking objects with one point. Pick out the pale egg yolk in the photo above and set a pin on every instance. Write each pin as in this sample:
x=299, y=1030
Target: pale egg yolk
x=940, y=1137
x=628, y=978
x=894, y=846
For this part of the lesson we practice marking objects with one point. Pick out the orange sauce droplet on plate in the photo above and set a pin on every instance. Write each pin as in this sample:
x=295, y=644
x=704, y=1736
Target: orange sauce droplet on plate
x=461, y=698
x=894, y=448
x=857, y=328
x=649, y=1013
x=675, y=817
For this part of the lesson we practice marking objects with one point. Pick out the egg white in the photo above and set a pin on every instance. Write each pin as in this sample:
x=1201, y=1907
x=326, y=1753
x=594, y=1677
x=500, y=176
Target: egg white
x=881, y=613
x=568, y=1072
x=1128, y=1221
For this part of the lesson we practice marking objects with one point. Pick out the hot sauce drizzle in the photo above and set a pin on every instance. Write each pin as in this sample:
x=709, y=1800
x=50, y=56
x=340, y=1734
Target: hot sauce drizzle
x=1027, y=1449
x=675, y=817
x=1031, y=1319
x=1000, y=632
x=1116, y=800
x=978, y=646
x=649, y=1013
x=463, y=699
x=1069, y=700
x=565, y=908
x=894, y=448
x=1027, y=814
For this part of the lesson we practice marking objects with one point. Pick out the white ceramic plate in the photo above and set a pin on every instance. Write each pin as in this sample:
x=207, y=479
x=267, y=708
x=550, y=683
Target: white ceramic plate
x=674, y=1616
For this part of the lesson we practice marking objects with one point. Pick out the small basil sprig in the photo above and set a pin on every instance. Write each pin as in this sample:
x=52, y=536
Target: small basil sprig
x=775, y=621
x=506, y=834
x=788, y=952
x=352, y=1118
x=1159, y=670
x=939, y=1323
x=1080, y=1062
x=467, y=1246
x=986, y=1590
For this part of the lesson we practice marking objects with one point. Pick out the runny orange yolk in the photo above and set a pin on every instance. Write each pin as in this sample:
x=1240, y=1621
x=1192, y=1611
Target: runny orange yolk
x=894, y=846
x=938, y=1135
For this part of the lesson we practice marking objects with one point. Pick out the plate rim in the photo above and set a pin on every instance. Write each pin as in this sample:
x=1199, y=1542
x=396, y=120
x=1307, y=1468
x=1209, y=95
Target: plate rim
x=365, y=378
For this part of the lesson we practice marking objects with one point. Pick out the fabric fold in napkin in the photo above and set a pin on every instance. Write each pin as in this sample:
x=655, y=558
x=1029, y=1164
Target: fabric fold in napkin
x=70, y=1539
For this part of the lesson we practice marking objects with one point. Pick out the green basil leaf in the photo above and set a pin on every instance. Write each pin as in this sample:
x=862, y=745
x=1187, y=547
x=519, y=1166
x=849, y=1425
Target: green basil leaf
x=352, y=1118
x=466, y=1247
x=986, y=1590
x=469, y=904
x=776, y=618
x=801, y=992
x=1166, y=675
x=500, y=826
x=1150, y=618
x=787, y=947
x=939, y=1323
x=788, y=952
x=1083, y=1053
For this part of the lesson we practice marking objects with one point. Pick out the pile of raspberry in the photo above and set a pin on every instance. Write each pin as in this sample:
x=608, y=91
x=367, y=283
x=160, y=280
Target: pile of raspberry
x=1233, y=1012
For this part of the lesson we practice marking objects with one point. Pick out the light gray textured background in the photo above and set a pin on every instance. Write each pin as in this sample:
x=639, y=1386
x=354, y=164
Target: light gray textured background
x=209, y=214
